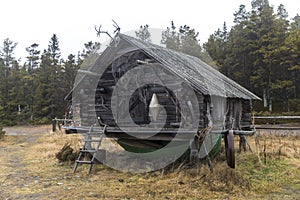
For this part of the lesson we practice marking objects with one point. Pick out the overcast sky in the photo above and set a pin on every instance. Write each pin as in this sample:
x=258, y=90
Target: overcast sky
x=35, y=21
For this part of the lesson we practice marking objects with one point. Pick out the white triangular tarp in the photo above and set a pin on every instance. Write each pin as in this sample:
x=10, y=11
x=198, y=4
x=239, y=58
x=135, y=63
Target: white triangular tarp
x=154, y=107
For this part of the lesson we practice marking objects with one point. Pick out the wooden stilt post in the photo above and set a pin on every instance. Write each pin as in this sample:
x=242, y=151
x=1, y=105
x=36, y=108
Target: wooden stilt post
x=54, y=124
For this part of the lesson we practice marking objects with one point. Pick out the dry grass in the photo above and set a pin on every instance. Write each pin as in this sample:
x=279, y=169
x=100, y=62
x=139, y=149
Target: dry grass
x=51, y=143
x=271, y=171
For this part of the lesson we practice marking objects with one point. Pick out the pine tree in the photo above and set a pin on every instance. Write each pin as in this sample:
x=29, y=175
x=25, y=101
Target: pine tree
x=15, y=99
x=171, y=38
x=264, y=62
x=49, y=76
x=295, y=25
x=8, y=51
x=290, y=54
x=2, y=89
x=56, y=78
x=90, y=48
x=33, y=61
x=216, y=47
x=282, y=85
x=43, y=102
x=143, y=34
x=9, y=71
x=70, y=70
x=184, y=40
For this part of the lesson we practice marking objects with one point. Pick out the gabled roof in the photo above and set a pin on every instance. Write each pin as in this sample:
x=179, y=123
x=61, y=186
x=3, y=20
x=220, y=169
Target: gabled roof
x=198, y=74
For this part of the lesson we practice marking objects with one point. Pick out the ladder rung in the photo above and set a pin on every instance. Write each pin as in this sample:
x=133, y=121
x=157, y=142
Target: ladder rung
x=84, y=162
x=91, y=136
x=87, y=151
x=94, y=133
x=92, y=140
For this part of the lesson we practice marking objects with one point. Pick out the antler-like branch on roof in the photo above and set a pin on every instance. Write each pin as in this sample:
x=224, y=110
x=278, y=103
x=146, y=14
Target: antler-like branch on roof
x=99, y=32
x=116, y=26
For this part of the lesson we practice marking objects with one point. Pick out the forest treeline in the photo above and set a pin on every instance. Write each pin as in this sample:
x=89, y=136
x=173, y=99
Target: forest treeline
x=34, y=92
x=261, y=51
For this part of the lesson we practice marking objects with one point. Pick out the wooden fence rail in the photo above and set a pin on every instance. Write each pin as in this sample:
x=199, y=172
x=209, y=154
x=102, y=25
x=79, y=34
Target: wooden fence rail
x=276, y=127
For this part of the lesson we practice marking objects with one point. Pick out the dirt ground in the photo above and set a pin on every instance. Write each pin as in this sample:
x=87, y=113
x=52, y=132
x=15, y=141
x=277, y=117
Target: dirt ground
x=29, y=170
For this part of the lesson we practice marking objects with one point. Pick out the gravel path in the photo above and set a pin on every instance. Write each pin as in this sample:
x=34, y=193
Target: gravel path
x=27, y=130
x=16, y=176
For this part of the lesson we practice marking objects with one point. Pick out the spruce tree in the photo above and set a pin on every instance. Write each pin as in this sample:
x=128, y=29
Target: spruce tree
x=143, y=33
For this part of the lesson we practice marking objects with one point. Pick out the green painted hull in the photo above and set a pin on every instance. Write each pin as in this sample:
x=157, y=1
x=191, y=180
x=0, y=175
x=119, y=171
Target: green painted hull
x=214, y=142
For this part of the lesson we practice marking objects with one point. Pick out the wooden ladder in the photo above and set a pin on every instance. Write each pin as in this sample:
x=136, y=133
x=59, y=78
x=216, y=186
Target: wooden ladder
x=90, y=137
